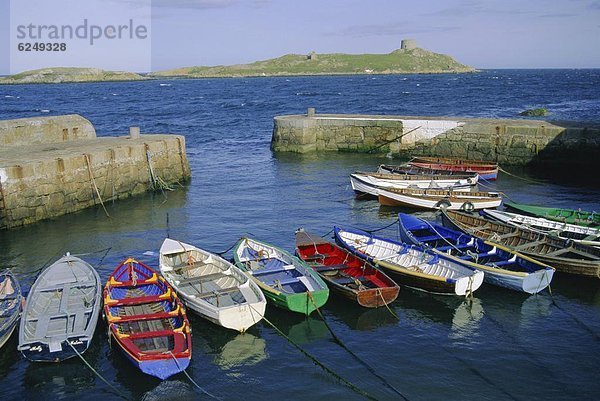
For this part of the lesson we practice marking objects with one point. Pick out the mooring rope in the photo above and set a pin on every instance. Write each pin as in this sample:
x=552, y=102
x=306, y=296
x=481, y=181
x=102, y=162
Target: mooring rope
x=87, y=159
x=358, y=196
x=116, y=390
x=386, y=305
x=362, y=362
x=50, y=259
x=225, y=251
x=347, y=383
x=190, y=378
x=520, y=178
x=326, y=234
x=379, y=229
x=577, y=320
x=503, y=194
x=395, y=139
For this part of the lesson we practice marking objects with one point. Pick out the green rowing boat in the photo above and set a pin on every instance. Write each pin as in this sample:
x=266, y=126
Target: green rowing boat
x=286, y=281
x=570, y=216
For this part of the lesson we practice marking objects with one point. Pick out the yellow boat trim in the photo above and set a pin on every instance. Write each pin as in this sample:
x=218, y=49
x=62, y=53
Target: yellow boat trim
x=265, y=287
x=519, y=254
x=112, y=281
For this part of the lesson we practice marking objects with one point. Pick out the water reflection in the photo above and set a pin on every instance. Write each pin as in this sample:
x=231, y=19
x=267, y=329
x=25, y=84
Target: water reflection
x=9, y=355
x=299, y=328
x=243, y=349
x=57, y=380
x=436, y=308
x=359, y=318
x=170, y=390
x=465, y=321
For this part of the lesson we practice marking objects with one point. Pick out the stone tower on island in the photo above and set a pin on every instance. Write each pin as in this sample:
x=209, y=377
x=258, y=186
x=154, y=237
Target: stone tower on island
x=408, y=44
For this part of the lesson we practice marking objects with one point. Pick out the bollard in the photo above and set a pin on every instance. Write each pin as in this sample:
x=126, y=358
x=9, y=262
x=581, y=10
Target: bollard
x=134, y=132
x=310, y=112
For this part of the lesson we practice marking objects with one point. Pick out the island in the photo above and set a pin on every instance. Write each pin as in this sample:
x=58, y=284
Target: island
x=69, y=74
x=409, y=59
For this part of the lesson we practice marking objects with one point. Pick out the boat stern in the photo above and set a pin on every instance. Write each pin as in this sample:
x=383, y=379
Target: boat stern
x=242, y=317
x=538, y=280
x=164, y=368
x=468, y=284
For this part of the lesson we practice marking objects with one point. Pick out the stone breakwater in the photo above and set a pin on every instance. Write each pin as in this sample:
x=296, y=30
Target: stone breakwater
x=56, y=165
x=511, y=142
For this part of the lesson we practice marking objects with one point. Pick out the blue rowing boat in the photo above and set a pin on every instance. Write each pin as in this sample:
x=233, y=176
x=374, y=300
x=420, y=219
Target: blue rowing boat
x=11, y=300
x=501, y=266
x=147, y=320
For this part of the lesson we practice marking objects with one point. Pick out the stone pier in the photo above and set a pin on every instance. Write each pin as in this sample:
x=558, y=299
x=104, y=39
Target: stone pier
x=510, y=142
x=51, y=166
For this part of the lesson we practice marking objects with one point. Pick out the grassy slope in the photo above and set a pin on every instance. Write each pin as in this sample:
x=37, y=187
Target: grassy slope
x=68, y=74
x=399, y=61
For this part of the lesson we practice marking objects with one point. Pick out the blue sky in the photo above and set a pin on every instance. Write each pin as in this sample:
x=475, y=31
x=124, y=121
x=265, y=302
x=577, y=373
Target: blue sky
x=484, y=34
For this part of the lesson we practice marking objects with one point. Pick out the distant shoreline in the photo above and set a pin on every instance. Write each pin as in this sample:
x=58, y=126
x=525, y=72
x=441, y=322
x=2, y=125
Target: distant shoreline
x=409, y=59
x=148, y=78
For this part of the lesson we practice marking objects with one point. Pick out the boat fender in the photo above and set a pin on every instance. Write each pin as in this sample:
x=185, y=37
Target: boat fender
x=468, y=207
x=443, y=204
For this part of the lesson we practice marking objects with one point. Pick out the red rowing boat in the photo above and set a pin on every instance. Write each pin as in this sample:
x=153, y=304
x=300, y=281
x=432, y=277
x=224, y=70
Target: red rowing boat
x=147, y=320
x=486, y=170
x=345, y=273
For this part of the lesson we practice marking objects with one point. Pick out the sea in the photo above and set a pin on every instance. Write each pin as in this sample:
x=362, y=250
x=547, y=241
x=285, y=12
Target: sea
x=500, y=345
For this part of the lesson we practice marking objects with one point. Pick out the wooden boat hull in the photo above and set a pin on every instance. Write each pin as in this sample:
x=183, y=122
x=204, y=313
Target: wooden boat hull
x=501, y=266
x=578, y=217
x=486, y=170
x=411, y=266
x=415, y=170
x=147, y=320
x=11, y=300
x=51, y=337
x=285, y=280
x=435, y=199
x=584, y=235
x=344, y=273
x=212, y=287
x=577, y=259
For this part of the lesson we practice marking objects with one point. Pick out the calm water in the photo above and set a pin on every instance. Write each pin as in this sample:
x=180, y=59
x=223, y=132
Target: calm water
x=504, y=346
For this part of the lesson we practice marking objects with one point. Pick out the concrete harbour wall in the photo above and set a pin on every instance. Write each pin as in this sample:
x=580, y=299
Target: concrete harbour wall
x=58, y=171
x=511, y=142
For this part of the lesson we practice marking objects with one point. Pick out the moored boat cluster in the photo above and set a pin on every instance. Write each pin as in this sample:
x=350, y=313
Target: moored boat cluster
x=146, y=308
x=517, y=251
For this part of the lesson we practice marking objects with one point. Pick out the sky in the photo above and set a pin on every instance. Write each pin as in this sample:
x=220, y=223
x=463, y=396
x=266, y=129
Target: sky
x=480, y=33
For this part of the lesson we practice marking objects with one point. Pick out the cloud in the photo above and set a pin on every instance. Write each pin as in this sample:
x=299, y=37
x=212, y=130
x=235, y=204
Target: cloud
x=197, y=4
x=558, y=15
x=390, y=29
x=473, y=7
x=207, y=4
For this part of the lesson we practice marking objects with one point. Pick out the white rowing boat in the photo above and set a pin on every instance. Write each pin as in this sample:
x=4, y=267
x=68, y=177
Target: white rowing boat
x=61, y=311
x=211, y=286
x=410, y=265
x=370, y=182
